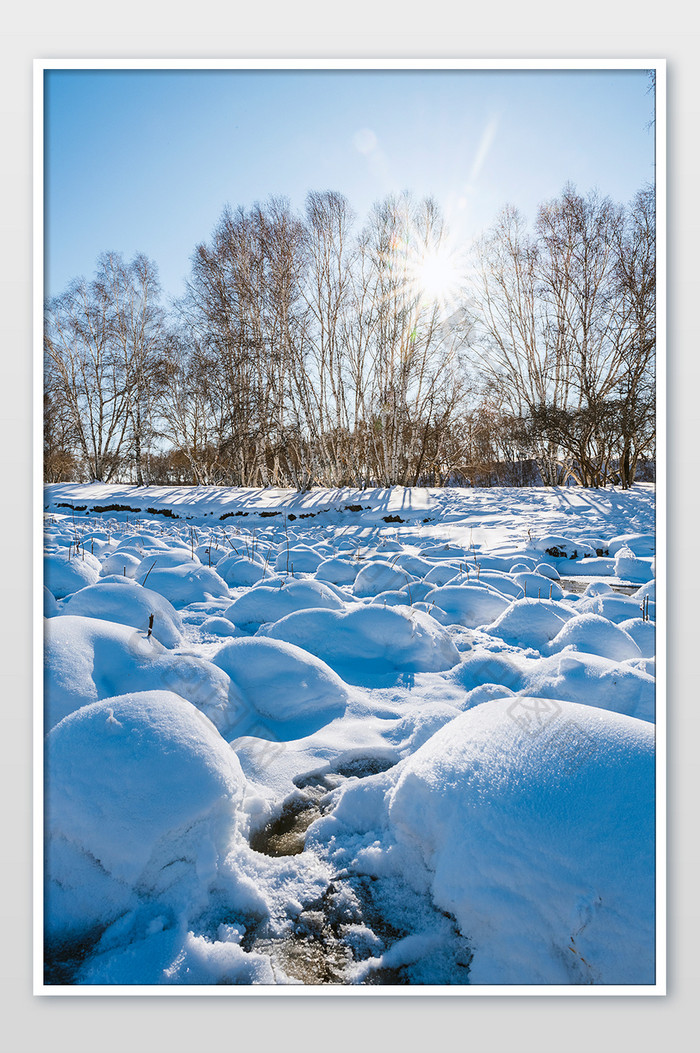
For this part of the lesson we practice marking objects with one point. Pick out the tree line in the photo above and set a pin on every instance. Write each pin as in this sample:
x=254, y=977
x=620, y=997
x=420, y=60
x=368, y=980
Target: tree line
x=310, y=349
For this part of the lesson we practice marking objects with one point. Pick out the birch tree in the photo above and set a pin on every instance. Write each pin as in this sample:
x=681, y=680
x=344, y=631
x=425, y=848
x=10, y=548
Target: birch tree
x=89, y=374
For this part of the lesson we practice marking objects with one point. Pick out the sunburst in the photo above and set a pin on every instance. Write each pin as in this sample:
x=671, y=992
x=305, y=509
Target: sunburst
x=438, y=275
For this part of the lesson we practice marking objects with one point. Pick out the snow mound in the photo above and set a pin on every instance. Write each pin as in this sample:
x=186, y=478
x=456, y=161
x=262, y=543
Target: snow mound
x=98, y=543
x=434, y=611
x=629, y=567
x=531, y=623
x=210, y=553
x=596, y=635
x=50, y=605
x=416, y=590
x=301, y=559
x=184, y=584
x=469, y=605
x=598, y=588
x=120, y=563
x=643, y=633
x=540, y=845
x=638, y=544
x=164, y=559
x=602, y=566
x=648, y=589
x=142, y=799
x=338, y=571
x=547, y=570
x=415, y=565
x=441, y=574
x=391, y=598
x=591, y=680
x=559, y=547
x=612, y=606
x=503, y=583
x=380, y=576
x=280, y=681
x=218, y=626
x=480, y=668
x=266, y=604
x=381, y=637
x=134, y=544
x=539, y=586
x=86, y=660
x=63, y=576
x=128, y=604
x=239, y=570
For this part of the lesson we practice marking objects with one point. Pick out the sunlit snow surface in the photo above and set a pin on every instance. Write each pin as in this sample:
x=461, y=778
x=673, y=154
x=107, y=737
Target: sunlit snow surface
x=349, y=737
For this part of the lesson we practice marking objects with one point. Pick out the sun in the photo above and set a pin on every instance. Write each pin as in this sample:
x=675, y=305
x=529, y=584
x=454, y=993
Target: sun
x=426, y=269
x=435, y=275
x=438, y=275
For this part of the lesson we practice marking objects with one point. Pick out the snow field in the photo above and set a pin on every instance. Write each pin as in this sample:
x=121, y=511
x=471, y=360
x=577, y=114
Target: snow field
x=466, y=728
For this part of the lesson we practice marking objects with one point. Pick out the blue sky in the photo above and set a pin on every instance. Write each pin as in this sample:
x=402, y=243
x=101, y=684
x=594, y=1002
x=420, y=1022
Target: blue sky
x=145, y=160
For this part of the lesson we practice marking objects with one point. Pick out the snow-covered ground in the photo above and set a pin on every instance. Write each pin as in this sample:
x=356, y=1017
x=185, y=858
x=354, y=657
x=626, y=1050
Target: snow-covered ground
x=391, y=737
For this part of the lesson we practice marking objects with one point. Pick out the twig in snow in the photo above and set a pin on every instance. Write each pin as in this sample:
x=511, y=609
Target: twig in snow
x=143, y=583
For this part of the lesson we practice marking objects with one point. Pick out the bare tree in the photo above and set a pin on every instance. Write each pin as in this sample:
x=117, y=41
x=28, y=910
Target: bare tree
x=241, y=309
x=521, y=345
x=415, y=371
x=191, y=412
x=89, y=373
x=635, y=390
x=138, y=335
x=557, y=312
x=326, y=393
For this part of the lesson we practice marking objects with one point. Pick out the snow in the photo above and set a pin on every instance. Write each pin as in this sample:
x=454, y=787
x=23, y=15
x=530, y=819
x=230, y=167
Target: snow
x=380, y=576
x=127, y=604
x=643, y=633
x=540, y=845
x=538, y=585
x=531, y=623
x=238, y=570
x=300, y=559
x=184, y=584
x=88, y=659
x=596, y=635
x=160, y=559
x=282, y=682
x=381, y=637
x=613, y=607
x=64, y=575
x=391, y=598
x=639, y=544
x=441, y=574
x=471, y=604
x=268, y=604
x=142, y=794
x=50, y=605
x=629, y=566
x=121, y=563
x=591, y=680
x=337, y=570
x=452, y=689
